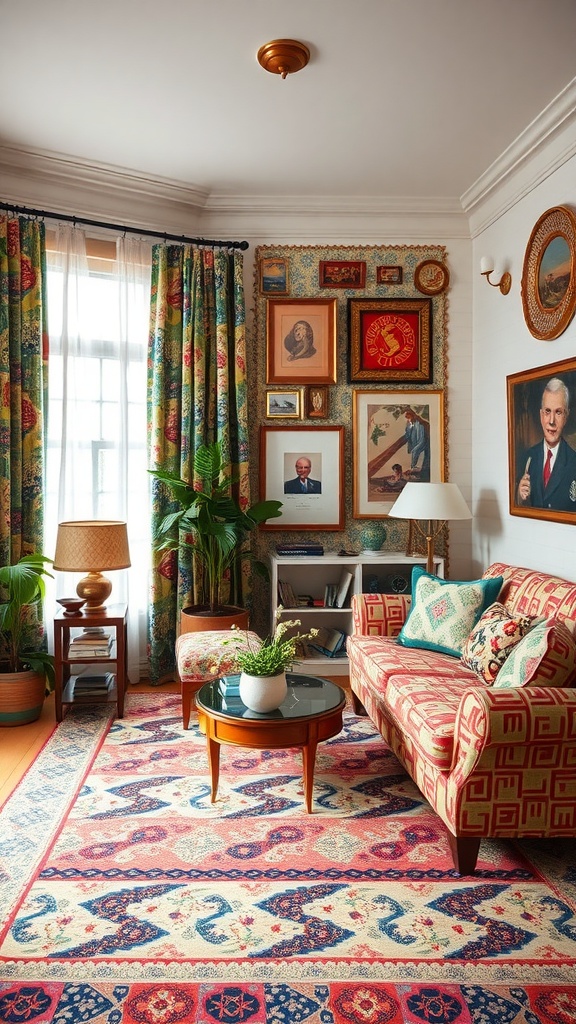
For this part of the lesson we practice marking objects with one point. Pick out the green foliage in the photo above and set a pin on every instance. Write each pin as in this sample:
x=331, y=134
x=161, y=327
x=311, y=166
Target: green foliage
x=22, y=590
x=209, y=522
x=277, y=653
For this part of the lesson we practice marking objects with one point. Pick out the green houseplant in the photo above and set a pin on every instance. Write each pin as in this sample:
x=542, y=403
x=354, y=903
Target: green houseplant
x=26, y=673
x=262, y=686
x=211, y=525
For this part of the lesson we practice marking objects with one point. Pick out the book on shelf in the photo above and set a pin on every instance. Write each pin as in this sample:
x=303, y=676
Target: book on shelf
x=330, y=642
x=304, y=548
x=287, y=595
x=344, y=582
x=91, y=639
x=85, y=653
x=330, y=591
x=93, y=685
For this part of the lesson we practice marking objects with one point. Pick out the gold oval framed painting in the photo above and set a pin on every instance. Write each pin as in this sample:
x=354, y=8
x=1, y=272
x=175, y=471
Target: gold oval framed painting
x=431, y=277
x=549, y=274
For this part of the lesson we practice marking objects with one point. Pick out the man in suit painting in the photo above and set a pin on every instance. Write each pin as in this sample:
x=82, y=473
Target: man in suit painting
x=549, y=478
x=302, y=484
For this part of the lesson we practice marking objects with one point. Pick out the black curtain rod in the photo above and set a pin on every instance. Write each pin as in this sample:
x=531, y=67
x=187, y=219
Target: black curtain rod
x=164, y=235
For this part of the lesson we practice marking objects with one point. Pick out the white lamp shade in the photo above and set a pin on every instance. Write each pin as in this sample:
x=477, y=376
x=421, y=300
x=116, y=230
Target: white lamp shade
x=91, y=545
x=430, y=501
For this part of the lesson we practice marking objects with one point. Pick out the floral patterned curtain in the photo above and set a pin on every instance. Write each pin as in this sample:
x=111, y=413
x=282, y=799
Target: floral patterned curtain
x=196, y=395
x=23, y=386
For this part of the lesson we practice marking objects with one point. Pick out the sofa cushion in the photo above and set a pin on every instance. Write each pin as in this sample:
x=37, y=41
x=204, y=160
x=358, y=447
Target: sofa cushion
x=378, y=659
x=443, y=612
x=427, y=708
x=546, y=656
x=492, y=639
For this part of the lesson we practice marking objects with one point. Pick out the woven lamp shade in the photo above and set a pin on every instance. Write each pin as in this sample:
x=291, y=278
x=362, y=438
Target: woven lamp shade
x=91, y=545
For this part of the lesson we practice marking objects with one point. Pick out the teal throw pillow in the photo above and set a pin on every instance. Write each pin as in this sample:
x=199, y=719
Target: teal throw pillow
x=444, y=612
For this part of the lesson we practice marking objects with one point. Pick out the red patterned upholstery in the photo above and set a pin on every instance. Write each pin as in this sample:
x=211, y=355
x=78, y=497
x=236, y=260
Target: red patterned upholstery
x=492, y=762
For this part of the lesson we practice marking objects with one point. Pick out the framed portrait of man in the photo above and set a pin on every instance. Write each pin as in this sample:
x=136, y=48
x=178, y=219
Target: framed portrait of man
x=542, y=442
x=303, y=467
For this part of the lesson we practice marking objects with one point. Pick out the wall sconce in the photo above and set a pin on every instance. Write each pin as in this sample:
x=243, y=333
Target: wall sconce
x=487, y=267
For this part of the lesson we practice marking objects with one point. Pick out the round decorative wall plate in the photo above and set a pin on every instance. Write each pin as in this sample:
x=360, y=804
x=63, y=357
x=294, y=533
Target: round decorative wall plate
x=431, y=277
x=549, y=274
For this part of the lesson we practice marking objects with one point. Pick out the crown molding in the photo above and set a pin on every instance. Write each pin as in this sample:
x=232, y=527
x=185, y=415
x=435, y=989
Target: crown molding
x=547, y=143
x=54, y=181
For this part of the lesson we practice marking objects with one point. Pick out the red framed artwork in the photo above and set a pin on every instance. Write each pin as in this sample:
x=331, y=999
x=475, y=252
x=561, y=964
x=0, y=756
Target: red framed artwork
x=342, y=273
x=388, y=275
x=390, y=340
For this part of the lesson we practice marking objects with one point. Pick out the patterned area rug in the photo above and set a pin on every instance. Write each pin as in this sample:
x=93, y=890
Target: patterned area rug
x=128, y=896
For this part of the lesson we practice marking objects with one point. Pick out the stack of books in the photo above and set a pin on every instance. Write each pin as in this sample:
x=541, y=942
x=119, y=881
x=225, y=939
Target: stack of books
x=93, y=642
x=88, y=687
x=305, y=547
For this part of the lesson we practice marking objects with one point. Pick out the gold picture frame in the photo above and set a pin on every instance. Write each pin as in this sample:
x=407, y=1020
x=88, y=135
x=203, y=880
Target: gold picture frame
x=301, y=341
x=549, y=274
x=284, y=404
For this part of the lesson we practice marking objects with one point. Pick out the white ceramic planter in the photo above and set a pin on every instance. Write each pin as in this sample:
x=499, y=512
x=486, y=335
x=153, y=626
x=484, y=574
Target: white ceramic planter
x=263, y=693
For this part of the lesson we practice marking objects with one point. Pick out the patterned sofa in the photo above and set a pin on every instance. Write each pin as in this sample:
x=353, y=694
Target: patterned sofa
x=492, y=761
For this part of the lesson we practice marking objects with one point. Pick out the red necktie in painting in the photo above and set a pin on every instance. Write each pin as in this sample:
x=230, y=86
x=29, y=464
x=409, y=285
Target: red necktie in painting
x=547, y=468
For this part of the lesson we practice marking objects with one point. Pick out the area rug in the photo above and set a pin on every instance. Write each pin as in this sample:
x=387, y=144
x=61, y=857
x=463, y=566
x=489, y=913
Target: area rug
x=127, y=896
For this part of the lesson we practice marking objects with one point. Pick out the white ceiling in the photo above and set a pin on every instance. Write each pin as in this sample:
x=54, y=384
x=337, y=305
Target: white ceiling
x=401, y=97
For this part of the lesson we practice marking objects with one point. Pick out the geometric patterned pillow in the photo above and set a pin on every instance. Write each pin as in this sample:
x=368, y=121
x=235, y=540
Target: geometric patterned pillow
x=492, y=640
x=443, y=612
x=546, y=656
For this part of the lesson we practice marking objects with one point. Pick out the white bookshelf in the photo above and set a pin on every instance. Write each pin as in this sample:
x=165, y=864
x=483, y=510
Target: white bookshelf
x=377, y=572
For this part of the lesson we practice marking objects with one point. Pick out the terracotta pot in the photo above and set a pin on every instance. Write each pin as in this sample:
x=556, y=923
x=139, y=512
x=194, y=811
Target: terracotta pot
x=263, y=693
x=197, y=618
x=21, y=697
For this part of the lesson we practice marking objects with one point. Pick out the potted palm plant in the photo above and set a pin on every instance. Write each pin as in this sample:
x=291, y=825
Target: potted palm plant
x=212, y=526
x=26, y=673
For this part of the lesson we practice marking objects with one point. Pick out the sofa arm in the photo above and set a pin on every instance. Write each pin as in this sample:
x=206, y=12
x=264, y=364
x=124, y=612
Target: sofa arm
x=379, y=614
x=533, y=717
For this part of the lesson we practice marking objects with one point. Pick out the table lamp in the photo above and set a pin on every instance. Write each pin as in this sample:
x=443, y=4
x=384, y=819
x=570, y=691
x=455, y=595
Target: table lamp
x=434, y=504
x=89, y=546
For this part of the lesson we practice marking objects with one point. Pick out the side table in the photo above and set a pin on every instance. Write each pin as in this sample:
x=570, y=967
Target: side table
x=116, y=617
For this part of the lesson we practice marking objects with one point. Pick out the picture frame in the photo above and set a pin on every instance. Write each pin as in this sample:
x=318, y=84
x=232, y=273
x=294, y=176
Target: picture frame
x=389, y=275
x=390, y=340
x=395, y=428
x=431, y=277
x=282, y=404
x=322, y=507
x=274, y=275
x=342, y=273
x=548, y=283
x=555, y=502
x=316, y=406
x=301, y=341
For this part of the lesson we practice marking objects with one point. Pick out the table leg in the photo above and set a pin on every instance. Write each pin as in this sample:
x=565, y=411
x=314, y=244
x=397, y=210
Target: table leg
x=308, y=762
x=214, y=762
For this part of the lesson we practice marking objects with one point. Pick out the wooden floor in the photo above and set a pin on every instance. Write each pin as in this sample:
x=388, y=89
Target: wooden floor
x=20, y=744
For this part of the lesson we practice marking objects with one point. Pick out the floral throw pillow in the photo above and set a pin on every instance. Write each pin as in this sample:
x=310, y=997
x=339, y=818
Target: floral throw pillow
x=492, y=640
x=443, y=612
x=546, y=656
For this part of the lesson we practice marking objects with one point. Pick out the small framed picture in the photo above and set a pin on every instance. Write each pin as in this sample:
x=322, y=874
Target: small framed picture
x=303, y=467
x=391, y=340
x=316, y=402
x=273, y=275
x=399, y=436
x=342, y=274
x=301, y=341
x=388, y=275
x=284, y=404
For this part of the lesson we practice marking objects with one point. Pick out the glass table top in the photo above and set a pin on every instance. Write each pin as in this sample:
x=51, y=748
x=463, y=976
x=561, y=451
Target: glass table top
x=307, y=696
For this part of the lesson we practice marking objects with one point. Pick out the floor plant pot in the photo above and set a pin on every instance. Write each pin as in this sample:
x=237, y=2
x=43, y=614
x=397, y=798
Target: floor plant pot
x=197, y=618
x=263, y=693
x=21, y=697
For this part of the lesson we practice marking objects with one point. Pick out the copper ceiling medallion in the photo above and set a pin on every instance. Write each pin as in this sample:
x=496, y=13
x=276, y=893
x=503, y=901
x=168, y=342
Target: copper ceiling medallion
x=283, y=56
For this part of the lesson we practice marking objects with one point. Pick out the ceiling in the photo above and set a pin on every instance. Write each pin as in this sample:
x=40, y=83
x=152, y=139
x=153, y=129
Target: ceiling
x=400, y=98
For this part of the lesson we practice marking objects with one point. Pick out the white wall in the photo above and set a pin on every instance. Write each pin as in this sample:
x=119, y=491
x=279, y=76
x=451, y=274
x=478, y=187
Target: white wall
x=502, y=344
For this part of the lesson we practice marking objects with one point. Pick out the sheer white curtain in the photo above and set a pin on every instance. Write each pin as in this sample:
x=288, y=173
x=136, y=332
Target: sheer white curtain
x=98, y=312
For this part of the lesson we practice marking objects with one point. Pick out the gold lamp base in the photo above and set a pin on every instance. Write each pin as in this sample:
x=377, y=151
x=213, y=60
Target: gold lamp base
x=94, y=589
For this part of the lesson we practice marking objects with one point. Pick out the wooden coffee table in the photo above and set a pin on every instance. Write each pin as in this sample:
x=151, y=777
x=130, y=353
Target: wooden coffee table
x=312, y=712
